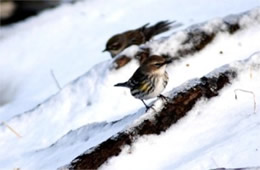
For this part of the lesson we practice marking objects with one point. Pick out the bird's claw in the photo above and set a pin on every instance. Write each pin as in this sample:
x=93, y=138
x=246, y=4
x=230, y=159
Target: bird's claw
x=164, y=98
x=150, y=107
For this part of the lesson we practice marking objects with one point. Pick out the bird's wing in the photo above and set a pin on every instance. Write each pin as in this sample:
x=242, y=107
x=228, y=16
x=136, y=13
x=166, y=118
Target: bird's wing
x=138, y=80
x=142, y=28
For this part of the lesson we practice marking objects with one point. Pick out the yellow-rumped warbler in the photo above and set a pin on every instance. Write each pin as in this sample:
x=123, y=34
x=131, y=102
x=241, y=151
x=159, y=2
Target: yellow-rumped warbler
x=119, y=42
x=149, y=80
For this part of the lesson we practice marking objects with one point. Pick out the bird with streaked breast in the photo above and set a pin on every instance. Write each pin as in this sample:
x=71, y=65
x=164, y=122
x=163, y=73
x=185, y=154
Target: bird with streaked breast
x=119, y=42
x=149, y=80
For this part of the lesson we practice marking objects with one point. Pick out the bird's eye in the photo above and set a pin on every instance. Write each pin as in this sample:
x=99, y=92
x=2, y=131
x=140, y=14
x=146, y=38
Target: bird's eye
x=133, y=41
x=158, y=64
x=114, y=46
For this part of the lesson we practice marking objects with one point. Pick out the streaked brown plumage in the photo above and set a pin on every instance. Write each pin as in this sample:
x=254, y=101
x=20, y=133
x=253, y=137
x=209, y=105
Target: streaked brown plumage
x=119, y=42
x=149, y=80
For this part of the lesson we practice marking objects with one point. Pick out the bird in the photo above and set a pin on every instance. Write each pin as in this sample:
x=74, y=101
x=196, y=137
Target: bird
x=121, y=41
x=149, y=80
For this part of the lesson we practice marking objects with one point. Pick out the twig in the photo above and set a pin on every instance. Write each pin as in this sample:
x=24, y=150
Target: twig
x=213, y=160
x=251, y=68
x=56, y=81
x=251, y=72
x=246, y=91
x=10, y=128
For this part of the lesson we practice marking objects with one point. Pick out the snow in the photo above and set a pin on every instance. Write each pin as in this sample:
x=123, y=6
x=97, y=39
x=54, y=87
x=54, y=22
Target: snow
x=58, y=125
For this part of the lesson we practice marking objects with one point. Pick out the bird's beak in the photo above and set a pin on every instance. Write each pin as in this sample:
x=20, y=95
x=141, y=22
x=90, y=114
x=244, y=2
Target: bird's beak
x=104, y=50
x=168, y=61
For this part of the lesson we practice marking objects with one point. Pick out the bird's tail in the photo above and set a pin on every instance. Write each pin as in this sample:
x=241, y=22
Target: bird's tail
x=153, y=30
x=125, y=84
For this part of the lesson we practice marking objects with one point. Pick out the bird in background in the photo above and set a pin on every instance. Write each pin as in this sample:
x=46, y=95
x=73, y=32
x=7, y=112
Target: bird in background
x=119, y=42
x=149, y=80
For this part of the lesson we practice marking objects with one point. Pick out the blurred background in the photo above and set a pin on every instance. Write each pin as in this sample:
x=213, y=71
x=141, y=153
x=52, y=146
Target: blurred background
x=16, y=10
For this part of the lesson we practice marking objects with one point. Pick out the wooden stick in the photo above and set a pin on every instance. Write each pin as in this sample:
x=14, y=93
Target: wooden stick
x=10, y=128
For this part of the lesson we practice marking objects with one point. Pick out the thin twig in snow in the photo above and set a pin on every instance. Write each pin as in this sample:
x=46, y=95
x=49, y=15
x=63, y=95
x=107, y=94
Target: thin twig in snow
x=251, y=73
x=213, y=160
x=10, y=128
x=56, y=81
x=251, y=68
x=246, y=91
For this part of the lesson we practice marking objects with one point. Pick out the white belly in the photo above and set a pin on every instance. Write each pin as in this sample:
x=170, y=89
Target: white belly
x=158, y=89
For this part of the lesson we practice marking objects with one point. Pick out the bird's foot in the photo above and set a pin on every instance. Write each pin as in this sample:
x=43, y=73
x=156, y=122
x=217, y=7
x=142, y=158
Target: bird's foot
x=150, y=107
x=147, y=107
x=164, y=98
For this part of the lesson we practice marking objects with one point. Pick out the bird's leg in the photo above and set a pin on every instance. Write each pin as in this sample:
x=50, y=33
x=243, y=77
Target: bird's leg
x=147, y=107
x=166, y=99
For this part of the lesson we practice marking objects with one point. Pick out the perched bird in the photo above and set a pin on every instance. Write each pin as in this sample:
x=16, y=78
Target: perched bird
x=149, y=80
x=119, y=42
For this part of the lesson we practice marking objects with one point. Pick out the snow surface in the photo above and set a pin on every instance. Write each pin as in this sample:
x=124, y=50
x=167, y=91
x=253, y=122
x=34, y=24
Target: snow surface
x=85, y=111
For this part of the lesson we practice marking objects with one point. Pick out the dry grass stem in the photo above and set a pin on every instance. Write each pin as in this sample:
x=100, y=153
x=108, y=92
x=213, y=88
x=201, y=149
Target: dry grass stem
x=246, y=91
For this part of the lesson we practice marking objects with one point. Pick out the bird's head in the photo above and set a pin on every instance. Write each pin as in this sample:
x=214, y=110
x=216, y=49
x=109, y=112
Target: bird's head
x=115, y=44
x=156, y=64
